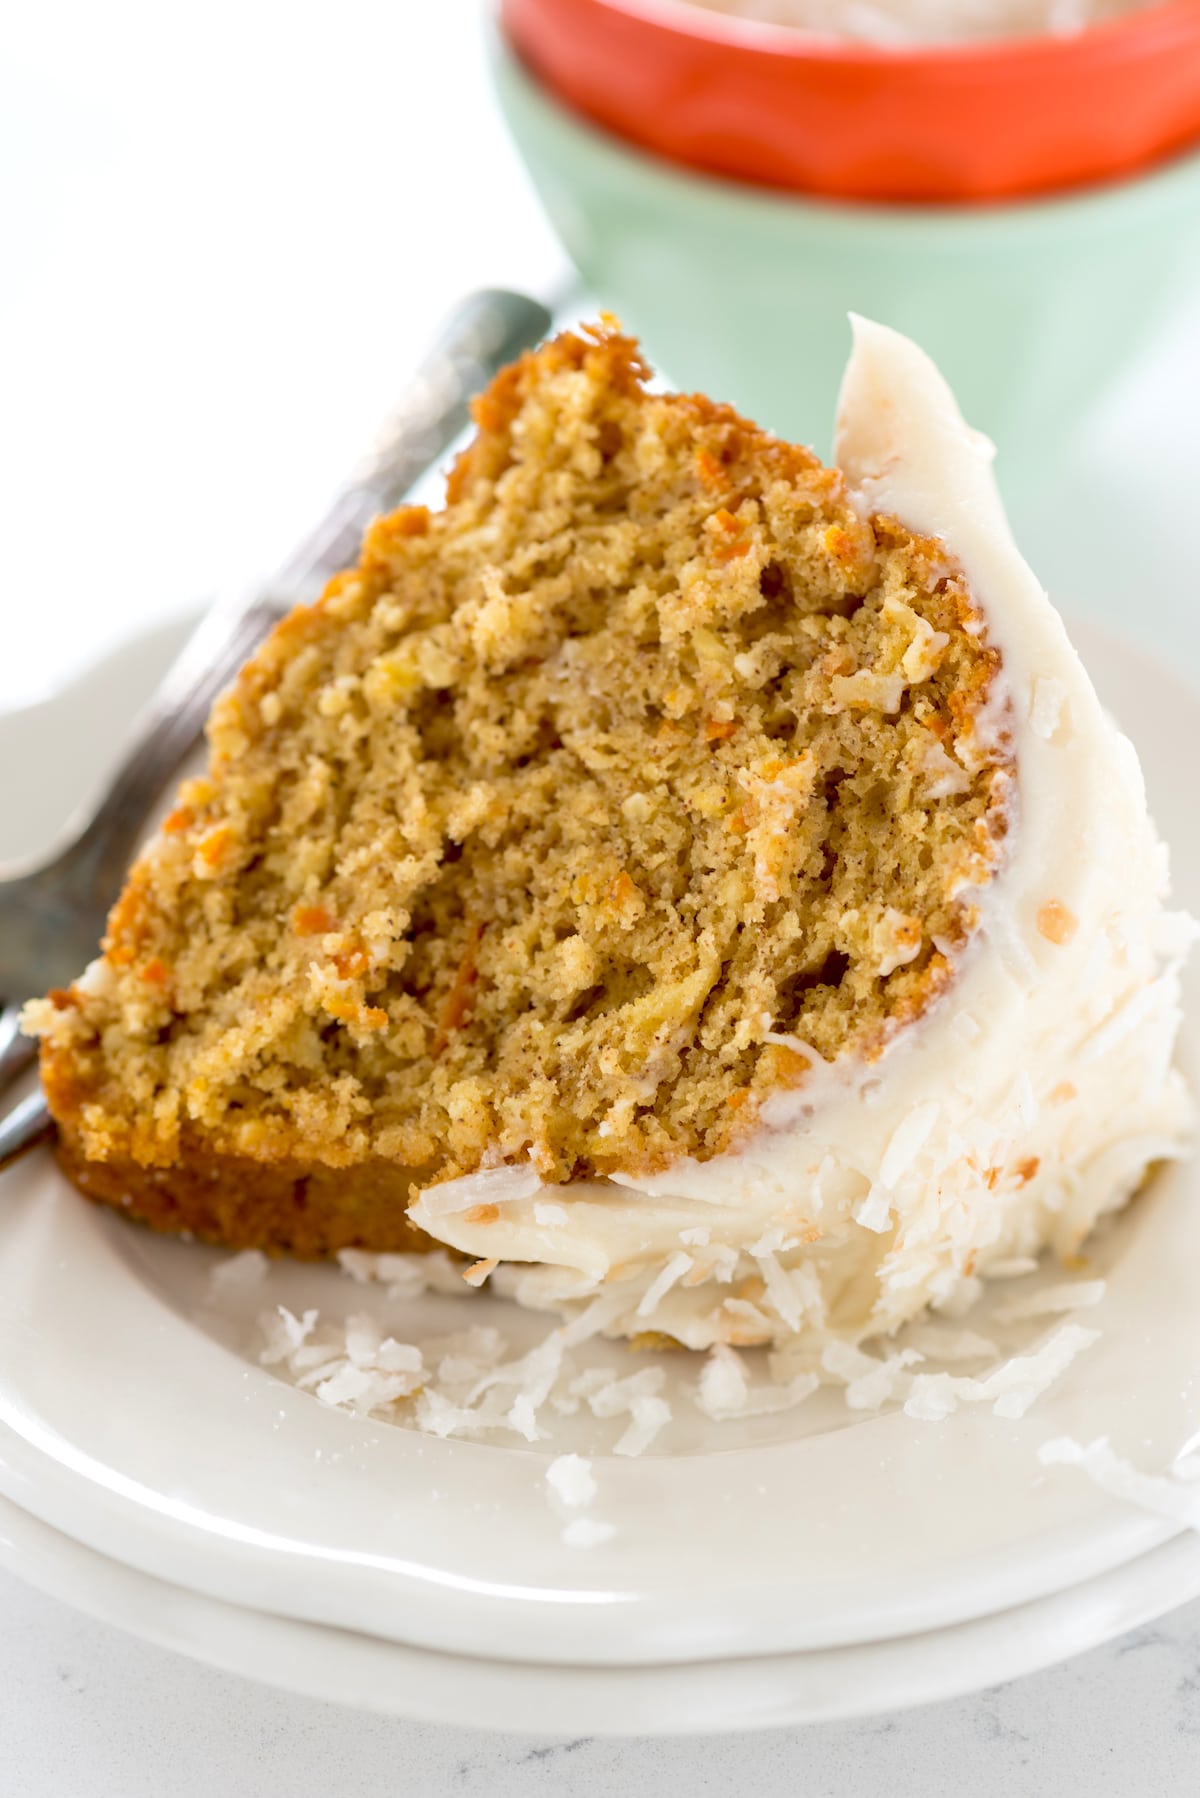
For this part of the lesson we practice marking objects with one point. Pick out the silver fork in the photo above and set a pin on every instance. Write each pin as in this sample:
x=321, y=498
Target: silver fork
x=52, y=915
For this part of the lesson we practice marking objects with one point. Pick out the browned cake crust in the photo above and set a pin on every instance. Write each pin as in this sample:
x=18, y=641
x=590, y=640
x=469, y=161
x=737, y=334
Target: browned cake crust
x=311, y=1213
x=569, y=826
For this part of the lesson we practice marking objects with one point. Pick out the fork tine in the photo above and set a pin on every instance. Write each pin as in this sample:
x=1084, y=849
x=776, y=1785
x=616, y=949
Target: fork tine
x=27, y=1124
x=17, y=1052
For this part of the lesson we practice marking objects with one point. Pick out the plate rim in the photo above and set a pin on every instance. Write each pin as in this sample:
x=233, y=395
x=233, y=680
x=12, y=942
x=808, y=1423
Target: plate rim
x=707, y=1698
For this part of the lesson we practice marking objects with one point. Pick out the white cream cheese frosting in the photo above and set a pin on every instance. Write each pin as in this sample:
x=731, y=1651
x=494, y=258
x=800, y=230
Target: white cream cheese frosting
x=1032, y=1097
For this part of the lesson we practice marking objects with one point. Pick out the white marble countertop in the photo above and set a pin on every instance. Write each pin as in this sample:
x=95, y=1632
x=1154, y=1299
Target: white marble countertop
x=227, y=221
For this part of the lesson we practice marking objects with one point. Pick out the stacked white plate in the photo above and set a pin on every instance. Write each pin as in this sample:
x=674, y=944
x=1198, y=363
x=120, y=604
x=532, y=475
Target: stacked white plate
x=758, y=1572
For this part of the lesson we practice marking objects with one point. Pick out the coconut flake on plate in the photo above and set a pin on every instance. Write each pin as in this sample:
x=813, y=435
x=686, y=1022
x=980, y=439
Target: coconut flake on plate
x=1010, y=1388
x=724, y=1389
x=240, y=1273
x=1174, y=1495
x=615, y=1397
x=351, y=1366
x=571, y=1480
x=470, y=1383
x=438, y=1416
x=648, y=1416
x=636, y=1396
x=405, y=1276
x=723, y=1383
x=364, y=1389
x=285, y=1333
x=587, y=1532
x=869, y=1382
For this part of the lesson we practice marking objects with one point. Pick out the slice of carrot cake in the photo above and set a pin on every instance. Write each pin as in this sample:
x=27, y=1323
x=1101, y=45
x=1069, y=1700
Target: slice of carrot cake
x=674, y=863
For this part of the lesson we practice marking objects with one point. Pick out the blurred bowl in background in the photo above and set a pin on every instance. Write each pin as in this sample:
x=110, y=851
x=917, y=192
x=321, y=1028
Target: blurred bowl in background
x=1031, y=309
x=785, y=108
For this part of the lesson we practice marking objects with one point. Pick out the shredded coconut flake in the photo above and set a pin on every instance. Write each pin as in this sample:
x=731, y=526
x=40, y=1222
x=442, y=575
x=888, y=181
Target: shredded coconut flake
x=875, y=1212
x=239, y=1274
x=490, y=1186
x=1174, y=1495
x=522, y=1418
x=437, y=1416
x=872, y=1390
x=764, y=1401
x=1046, y=707
x=405, y=1276
x=723, y=1384
x=587, y=1532
x=724, y=1388
x=571, y=1480
x=361, y=1389
x=673, y=1271
x=907, y=1142
x=1010, y=1389
x=616, y=1397
x=647, y=1417
x=781, y=1293
x=287, y=1333
x=769, y=1295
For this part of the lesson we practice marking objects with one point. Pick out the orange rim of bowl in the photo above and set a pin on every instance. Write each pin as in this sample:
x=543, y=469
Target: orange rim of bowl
x=775, y=106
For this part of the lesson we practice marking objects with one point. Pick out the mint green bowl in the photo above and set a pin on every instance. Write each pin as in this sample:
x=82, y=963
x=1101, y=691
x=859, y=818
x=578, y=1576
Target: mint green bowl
x=1030, y=309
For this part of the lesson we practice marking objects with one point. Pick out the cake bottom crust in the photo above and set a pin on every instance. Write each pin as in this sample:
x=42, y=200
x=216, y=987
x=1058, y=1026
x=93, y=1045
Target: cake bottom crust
x=240, y=1203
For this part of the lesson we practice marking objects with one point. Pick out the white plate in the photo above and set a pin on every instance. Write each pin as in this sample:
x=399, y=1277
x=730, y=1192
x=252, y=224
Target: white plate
x=694, y=1698
x=129, y=1421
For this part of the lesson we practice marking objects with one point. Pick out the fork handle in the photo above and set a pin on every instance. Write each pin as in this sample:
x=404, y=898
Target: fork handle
x=484, y=331
x=16, y=1051
x=23, y=1128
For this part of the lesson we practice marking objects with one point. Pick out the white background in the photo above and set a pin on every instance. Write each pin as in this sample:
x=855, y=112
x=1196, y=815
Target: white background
x=226, y=232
